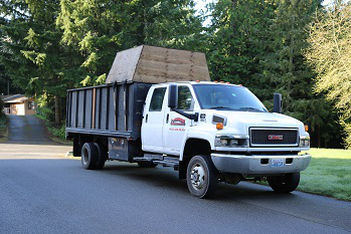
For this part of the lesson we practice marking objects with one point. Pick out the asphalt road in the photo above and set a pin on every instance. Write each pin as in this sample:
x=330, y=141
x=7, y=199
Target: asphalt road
x=41, y=191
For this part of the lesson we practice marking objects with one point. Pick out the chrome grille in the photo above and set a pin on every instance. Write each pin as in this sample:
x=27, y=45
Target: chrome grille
x=274, y=137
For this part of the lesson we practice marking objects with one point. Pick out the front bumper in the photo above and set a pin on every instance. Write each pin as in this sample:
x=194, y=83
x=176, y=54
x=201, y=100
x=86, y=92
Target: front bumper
x=259, y=164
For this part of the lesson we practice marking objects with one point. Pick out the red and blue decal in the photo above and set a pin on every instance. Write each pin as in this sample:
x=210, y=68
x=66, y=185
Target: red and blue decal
x=178, y=122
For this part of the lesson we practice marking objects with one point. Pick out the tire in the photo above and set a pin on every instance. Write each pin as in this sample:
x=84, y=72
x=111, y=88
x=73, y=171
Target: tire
x=201, y=176
x=91, y=156
x=284, y=184
x=100, y=162
x=146, y=164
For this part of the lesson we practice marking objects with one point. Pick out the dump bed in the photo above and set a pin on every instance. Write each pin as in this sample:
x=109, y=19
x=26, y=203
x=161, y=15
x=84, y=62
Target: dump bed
x=113, y=110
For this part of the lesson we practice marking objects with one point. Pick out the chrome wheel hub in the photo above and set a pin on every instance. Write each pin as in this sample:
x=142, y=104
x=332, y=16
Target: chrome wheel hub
x=197, y=176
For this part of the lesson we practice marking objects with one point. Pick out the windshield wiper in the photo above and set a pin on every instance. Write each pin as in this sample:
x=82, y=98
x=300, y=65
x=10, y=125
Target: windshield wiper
x=250, y=109
x=220, y=107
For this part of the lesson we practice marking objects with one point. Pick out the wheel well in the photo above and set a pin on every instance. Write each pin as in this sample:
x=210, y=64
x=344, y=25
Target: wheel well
x=193, y=147
x=80, y=139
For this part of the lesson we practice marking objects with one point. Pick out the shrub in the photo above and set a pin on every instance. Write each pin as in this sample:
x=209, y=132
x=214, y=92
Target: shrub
x=58, y=132
x=1, y=108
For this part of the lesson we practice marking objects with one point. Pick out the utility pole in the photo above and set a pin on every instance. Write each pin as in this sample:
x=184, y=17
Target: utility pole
x=8, y=87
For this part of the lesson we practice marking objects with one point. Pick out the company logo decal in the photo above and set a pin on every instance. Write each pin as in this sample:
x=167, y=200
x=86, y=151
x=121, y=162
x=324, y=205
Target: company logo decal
x=178, y=122
x=275, y=137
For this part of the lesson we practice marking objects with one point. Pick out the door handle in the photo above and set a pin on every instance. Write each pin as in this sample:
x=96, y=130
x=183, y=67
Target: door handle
x=146, y=117
x=167, y=118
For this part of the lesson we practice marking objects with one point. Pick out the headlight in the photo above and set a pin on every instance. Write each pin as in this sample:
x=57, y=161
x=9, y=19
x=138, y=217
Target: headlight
x=304, y=141
x=231, y=141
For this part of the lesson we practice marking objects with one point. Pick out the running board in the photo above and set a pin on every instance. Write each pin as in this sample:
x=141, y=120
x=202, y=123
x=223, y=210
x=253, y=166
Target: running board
x=148, y=158
x=169, y=162
x=165, y=161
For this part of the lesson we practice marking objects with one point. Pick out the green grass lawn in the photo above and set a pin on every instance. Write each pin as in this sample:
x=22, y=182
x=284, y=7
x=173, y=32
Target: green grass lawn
x=329, y=173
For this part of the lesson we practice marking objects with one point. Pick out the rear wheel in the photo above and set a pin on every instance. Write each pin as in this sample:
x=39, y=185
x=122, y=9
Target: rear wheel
x=92, y=157
x=201, y=176
x=100, y=162
x=285, y=183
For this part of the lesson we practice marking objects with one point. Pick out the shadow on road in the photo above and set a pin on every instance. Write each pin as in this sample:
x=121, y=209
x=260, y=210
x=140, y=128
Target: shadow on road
x=165, y=177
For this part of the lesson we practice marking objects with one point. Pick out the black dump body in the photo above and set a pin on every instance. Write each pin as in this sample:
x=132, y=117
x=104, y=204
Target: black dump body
x=112, y=110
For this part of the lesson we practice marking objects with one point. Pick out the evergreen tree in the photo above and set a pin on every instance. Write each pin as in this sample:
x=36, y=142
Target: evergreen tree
x=260, y=44
x=34, y=57
x=99, y=29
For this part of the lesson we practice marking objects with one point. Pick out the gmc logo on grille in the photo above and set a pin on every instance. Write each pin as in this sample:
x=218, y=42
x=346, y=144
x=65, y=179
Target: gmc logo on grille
x=275, y=137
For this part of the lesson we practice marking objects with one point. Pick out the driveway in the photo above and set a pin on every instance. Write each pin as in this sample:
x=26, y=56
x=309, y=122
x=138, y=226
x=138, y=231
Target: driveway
x=27, y=130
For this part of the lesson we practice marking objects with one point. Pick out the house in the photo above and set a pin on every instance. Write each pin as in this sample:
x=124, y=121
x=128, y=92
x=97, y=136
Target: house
x=18, y=105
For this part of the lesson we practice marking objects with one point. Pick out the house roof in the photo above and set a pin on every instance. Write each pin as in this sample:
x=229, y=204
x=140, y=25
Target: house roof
x=17, y=98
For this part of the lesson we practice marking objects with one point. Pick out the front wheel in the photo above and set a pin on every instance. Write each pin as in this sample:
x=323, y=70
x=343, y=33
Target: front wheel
x=285, y=183
x=201, y=176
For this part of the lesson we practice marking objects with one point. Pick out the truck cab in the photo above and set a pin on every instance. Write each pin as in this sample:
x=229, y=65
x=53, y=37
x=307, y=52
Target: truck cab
x=228, y=125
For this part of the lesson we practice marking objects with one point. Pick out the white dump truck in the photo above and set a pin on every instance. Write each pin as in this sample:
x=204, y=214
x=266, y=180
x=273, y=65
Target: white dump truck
x=159, y=107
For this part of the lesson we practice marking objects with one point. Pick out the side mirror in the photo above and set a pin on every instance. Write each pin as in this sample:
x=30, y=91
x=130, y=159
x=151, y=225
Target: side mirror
x=277, y=103
x=172, y=96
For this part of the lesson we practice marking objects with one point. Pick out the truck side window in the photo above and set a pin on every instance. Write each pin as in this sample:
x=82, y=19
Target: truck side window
x=185, y=99
x=157, y=99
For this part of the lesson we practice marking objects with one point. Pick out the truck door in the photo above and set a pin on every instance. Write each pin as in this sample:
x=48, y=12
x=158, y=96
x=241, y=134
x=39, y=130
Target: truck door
x=151, y=130
x=175, y=124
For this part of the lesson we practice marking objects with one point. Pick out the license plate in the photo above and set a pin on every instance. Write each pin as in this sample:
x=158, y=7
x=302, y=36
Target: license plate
x=277, y=162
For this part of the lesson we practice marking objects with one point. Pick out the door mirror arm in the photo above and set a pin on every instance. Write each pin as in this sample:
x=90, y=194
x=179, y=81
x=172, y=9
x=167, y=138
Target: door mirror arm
x=194, y=117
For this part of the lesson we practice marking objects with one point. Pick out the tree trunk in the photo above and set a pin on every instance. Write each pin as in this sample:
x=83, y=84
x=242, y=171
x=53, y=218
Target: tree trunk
x=57, y=111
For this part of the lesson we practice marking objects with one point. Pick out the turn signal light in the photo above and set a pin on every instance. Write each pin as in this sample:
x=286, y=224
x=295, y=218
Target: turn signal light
x=306, y=127
x=219, y=126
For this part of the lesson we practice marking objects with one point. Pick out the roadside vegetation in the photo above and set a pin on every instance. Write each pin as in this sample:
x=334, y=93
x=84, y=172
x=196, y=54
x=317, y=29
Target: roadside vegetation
x=3, y=123
x=3, y=127
x=267, y=46
x=56, y=132
x=329, y=173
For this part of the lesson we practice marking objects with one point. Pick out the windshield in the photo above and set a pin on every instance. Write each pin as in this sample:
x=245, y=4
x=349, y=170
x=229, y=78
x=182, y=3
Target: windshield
x=227, y=97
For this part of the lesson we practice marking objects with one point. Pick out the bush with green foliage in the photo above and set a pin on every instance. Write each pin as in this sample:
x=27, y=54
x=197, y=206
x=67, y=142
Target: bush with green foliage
x=1, y=107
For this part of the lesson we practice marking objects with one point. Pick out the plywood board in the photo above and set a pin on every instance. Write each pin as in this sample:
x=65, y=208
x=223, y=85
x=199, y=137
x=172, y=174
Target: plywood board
x=150, y=64
x=124, y=65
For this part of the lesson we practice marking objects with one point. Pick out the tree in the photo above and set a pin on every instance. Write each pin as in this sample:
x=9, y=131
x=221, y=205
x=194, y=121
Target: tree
x=99, y=29
x=285, y=68
x=260, y=44
x=33, y=55
x=329, y=53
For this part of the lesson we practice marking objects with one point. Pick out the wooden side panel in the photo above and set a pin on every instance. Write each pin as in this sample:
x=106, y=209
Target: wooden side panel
x=120, y=108
x=150, y=64
x=88, y=108
x=80, y=109
x=97, y=108
x=111, y=118
x=73, y=109
x=104, y=110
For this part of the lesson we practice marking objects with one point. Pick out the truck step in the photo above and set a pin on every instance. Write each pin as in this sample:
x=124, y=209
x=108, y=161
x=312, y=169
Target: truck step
x=159, y=159
x=169, y=162
x=148, y=158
